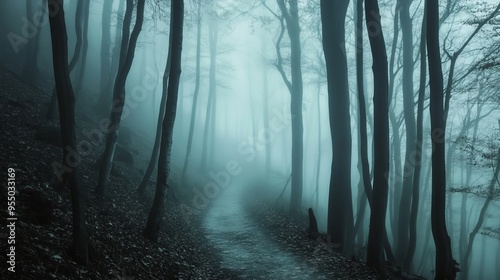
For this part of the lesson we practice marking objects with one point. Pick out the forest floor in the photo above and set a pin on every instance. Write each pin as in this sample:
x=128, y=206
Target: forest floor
x=118, y=249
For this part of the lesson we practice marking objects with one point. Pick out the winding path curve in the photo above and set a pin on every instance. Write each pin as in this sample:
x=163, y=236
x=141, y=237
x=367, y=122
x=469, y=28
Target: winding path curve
x=243, y=245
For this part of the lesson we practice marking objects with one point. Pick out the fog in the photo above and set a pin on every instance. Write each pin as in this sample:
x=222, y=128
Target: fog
x=243, y=127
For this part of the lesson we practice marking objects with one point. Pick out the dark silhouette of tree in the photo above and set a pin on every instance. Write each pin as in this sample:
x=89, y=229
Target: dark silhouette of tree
x=410, y=130
x=119, y=96
x=51, y=113
x=156, y=146
x=158, y=208
x=340, y=212
x=66, y=101
x=444, y=265
x=375, y=252
x=412, y=241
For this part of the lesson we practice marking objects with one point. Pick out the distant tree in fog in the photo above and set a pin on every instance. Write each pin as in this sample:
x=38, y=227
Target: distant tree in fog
x=127, y=57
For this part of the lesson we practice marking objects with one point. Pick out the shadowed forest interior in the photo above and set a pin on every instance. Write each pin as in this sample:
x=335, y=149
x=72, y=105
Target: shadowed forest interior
x=273, y=139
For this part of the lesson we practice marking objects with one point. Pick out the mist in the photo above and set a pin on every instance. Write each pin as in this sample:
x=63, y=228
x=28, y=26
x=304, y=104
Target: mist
x=222, y=139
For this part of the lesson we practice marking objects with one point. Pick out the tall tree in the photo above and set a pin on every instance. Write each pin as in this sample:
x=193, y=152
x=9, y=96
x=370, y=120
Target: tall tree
x=106, y=76
x=340, y=213
x=85, y=46
x=195, y=95
x=444, y=265
x=156, y=146
x=51, y=113
x=412, y=242
x=290, y=16
x=376, y=235
x=409, y=118
x=158, y=208
x=363, y=164
x=210, y=113
x=119, y=97
x=66, y=100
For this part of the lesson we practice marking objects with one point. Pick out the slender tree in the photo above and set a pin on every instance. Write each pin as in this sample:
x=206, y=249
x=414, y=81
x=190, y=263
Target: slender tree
x=66, y=101
x=119, y=98
x=51, y=113
x=412, y=242
x=444, y=265
x=290, y=16
x=158, y=208
x=156, y=146
x=410, y=129
x=340, y=213
x=375, y=252
x=195, y=95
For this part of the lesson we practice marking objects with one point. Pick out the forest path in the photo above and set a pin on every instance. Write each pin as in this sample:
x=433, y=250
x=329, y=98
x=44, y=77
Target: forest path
x=244, y=246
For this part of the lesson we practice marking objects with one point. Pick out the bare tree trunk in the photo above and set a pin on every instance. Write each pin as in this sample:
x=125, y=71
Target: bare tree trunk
x=156, y=146
x=291, y=16
x=375, y=252
x=66, y=100
x=119, y=99
x=445, y=265
x=195, y=95
x=412, y=242
x=340, y=212
x=105, y=87
x=85, y=47
x=396, y=141
x=51, y=113
x=213, y=31
x=363, y=164
x=409, y=118
x=158, y=208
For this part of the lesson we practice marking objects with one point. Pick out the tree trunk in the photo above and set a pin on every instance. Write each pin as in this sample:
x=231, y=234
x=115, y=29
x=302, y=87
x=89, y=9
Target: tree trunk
x=158, y=208
x=213, y=32
x=105, y=87
x=340, y=213
x=445, y=265
x=195, y=95
x=409, y=118
x=85, y=47
x=375, y=252
x=291, y=16
x=363, y=165
x=396, y=141
x=51, y=113
x=119, y=98
x=156, y=146
x=412, y=242
x=66, y=100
